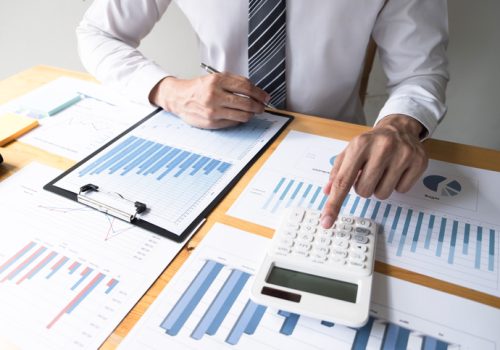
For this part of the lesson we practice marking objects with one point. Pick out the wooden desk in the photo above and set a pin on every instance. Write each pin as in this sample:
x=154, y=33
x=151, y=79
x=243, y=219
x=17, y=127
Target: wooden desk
x=17, y=155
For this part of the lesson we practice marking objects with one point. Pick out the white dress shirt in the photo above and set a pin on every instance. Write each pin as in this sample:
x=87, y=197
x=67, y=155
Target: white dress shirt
x=326, y=44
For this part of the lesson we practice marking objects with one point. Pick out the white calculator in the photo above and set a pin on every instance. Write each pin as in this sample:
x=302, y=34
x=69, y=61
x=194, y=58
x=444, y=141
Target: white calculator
x=316, y=272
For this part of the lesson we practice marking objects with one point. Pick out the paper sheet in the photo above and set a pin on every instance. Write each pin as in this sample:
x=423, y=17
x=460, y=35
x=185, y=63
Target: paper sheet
x=68, y=274
x=93, y=115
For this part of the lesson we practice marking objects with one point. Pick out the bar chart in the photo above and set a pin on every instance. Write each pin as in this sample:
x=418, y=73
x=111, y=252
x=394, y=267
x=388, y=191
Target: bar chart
x=207, y=306
x=36, y=261
x=175, y=169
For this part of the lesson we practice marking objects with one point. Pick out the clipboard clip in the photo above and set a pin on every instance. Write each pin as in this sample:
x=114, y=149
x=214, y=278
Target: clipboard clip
x=110, y=207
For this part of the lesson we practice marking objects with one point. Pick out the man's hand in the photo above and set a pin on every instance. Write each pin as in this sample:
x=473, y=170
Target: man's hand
x=387, y=158
x=210, y=102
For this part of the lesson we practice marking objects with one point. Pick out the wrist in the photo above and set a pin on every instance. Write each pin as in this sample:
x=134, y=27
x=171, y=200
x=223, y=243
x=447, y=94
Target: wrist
x=162, y=93
x=402, y=123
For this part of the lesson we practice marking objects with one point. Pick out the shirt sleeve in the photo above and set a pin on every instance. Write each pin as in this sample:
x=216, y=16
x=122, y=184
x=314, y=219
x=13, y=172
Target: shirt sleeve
x=108, y=37
x=412, y=36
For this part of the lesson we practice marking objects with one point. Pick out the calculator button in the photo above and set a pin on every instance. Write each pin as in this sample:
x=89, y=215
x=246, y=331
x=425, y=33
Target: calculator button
x=305, y=237
x=339, y=252
x=337, y=260
x=342, y=235
x=360, y=239
x=325, y=232
x=347, y=220
x=292, y=226
x=323, y=240
x=286, y=242
x=356, y=256
x=342, y=243
x=296, y=215
x=290, y=234
x=311, y=221
x=362, y=231
x=302, y=246
x=364, y=223
x=302, y=253
x=322, y=250
x=283, y=250
x=344, y=227
x=359, y=248
x=356, y=263
x=307, y=228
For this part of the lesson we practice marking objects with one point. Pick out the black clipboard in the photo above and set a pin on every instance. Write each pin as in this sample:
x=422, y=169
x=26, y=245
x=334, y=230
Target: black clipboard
x=136, y=207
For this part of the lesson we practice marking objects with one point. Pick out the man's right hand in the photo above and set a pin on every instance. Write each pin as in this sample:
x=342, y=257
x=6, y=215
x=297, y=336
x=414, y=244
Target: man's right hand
x=209, y=102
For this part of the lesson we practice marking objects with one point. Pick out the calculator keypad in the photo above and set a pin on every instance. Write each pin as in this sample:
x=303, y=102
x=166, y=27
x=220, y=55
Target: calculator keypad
x=348, y=244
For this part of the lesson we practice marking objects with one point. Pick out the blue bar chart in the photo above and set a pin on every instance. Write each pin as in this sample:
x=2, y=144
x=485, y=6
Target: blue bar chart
x=451, y=248
x=208, y=305
x=289, y=192
x=251, y=315
x=36, y=261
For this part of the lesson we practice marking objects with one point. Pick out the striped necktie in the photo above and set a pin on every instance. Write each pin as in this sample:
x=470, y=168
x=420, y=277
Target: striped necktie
x=266, y=47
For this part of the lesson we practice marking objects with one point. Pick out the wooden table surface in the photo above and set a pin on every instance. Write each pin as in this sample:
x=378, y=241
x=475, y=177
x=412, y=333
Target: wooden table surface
x=16, y=155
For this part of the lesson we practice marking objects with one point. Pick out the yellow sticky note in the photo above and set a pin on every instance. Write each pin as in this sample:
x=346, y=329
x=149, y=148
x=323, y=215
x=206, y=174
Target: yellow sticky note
x=13, y=125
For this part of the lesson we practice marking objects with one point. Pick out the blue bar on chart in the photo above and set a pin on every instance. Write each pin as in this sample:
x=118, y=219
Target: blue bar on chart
x=416, y=235
x=396, y=337
x=289, y=323
x=346, y=200
x=77, y=300
x=386, y=214
x=354, y=205
x=295, y=192
x=84, y=274
x=111, y=285
x=394, y=224
x=218, y=309
x=442, y=230
x=479, y=239
x=430, y=343
x=404, y=233
x=247, y=322
x=139, y=156
x=375, y=210
x=24, y=264
x=57, y=266
x=465, y=249
x=282, y=196
x=275, y=191
x=362, y=335
x=304, y=195
x=453, y=242
x=365, y=208
x=428, y=237
x=179, y=314
x=38, y=267
x=12, y=260
x=73, y=267
x=491, y=251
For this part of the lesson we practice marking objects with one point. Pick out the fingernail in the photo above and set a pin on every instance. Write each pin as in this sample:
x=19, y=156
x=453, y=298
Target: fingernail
x=268, y=98
x=327, y=221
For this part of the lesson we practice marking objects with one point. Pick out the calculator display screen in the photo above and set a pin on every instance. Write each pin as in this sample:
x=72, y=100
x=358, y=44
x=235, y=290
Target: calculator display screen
x=313, y=284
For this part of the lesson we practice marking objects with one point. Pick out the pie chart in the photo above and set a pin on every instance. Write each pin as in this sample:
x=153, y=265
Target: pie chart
x=442, y=185
x=332, y=160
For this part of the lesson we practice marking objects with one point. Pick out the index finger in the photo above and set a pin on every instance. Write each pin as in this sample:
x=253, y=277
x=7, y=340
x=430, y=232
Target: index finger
x=242, y=85
x=341, y=183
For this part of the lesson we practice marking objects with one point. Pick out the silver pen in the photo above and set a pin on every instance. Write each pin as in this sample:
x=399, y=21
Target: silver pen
x=212, y=70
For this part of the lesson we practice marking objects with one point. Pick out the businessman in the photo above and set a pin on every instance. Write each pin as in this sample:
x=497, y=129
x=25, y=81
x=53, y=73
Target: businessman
x=303, y=56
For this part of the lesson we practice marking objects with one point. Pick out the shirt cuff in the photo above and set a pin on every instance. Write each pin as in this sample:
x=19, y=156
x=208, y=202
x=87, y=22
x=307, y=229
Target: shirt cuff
x=143, y=81
x=413, y=109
